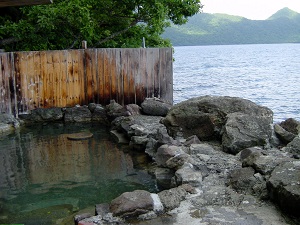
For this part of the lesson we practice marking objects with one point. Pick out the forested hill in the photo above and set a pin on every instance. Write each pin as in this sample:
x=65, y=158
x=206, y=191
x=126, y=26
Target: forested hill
x=217, y=29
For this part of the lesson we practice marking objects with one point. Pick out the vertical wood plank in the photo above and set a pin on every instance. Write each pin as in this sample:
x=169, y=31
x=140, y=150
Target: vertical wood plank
x=5, y=100
x=62, y=79
x=23, y=81
x=100, y=69
x=106, y=71
x=113, y=75
x=43, y=78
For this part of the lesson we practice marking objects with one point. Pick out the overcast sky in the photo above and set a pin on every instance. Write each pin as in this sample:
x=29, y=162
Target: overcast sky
x=251, y=9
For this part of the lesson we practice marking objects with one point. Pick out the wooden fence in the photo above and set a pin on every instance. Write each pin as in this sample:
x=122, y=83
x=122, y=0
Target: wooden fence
x=44, y=79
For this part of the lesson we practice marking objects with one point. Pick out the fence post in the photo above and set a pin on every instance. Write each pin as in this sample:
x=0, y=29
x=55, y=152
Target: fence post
x=84, y=44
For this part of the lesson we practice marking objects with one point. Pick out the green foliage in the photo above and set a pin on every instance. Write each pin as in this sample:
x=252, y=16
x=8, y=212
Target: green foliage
x=211, y=29
x=102, y=23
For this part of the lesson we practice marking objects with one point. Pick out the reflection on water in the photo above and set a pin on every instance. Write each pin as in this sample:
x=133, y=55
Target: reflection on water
x=44, y=176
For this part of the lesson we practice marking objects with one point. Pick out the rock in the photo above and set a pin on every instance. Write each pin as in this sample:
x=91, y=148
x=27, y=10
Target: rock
x=102, y=209
x=139, y=142
x=244, y=131
x=99, y=114
x=6, y=128
x=164, y=177
x=114, y=110
x=164, y=138
x=78, y=114
x=284, y=187
x=192, y=140
x=294, y=146
x=155, y=107
x=172, y=198
x=188, y=175
x=151, y=147
x=263, y=164
x=80, y=136
x=283, y=135
x=40, y=115
x=249, y=156
x=165, y=152
x=291, y=125
x=205, y=116
x=242, y=180
x=80, y=217
x=130, y=204
x=119, y=137
x=177, y=161
x=133, y=109
x=201, y=149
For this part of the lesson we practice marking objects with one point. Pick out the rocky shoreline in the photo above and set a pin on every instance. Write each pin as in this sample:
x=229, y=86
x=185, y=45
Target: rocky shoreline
x=219, y=160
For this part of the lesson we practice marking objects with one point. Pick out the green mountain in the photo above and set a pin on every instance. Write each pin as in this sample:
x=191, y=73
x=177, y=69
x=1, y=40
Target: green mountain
x=218, y=29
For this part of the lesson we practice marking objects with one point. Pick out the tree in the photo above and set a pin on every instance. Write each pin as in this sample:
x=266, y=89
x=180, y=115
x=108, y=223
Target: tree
x=102, y=23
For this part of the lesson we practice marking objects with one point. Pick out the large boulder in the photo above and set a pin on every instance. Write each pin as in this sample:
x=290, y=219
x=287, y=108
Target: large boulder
x=78, y=114
x=284, y=187
x=131, y=204
x=244, y=130
x=207, y=116
x=155, y=107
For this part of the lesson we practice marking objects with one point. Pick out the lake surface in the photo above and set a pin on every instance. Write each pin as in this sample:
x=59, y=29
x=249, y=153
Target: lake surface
x=268, y=75
x=45, y=177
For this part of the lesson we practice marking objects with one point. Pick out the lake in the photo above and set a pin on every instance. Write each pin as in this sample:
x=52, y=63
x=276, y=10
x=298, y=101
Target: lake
x=267, y=74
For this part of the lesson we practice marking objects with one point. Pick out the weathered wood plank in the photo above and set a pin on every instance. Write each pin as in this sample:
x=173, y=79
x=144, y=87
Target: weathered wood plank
x=106, y=76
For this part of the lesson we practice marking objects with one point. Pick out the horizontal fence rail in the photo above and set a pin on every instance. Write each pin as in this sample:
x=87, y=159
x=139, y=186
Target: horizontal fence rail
x=45, y=79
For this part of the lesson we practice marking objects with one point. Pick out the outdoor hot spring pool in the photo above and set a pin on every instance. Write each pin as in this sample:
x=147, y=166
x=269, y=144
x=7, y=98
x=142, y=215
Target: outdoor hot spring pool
x=46, y=178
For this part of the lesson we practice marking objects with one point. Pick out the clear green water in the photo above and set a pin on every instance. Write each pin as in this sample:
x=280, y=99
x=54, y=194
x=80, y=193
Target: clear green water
x=45, y=177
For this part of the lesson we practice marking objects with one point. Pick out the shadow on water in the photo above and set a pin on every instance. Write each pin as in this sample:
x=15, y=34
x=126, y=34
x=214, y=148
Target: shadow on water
x=45, y=177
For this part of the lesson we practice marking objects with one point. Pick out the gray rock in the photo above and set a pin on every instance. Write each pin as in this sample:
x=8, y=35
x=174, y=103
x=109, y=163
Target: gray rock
x=78, y=218
x=294, y=146
x=41, y=115
x=114, y=110
x=192, y=140
x=263, y=164
x=284, y=187
x=155, y=107
x=102, y=209
x=291, y=125
x=188, y=175
x=6, y=128
x=99, y=114
x=205, y=116
x=78, y=114
x=283, y=134
x=177, y=161
x=202, y=149
x=244, y=131
x=151, y=147
x=119, y=137
x=133, y=109
x=130, y=204
x=164, y=177
x=172, y=198
x=242, y=180
x=165, y=152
